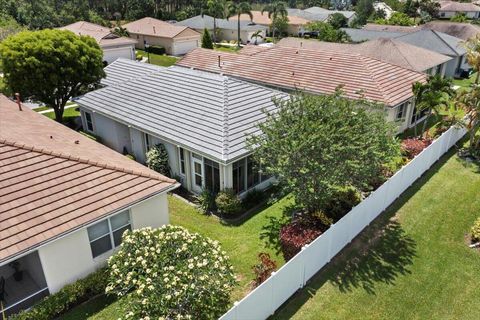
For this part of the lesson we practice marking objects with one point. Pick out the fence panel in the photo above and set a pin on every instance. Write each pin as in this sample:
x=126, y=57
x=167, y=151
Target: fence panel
x=271, y=294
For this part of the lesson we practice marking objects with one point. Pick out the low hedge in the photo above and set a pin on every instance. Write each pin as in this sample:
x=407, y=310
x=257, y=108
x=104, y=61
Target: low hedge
x=71, y=295
x=156, y=50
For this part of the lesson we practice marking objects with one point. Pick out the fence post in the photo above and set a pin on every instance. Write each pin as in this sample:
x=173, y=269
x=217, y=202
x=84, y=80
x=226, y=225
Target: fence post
x=304, y=265
x=272, y=290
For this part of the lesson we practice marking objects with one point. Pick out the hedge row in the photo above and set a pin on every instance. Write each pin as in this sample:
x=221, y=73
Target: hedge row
x=68, y=297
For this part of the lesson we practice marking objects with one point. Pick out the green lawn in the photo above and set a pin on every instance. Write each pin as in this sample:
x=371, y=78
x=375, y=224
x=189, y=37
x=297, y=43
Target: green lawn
x=411, y=264
x=233, y=49
x=242, y=241
x=68, y=114
x=160, y=60
x=465, y=83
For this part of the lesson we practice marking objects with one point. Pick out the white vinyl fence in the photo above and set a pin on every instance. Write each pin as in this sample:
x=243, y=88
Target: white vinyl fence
x=270, y=295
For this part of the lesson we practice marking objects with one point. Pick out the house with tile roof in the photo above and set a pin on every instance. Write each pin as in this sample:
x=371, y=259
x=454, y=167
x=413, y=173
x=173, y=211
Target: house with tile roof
x=424, y=38
x=388, y=50
x=65, y=201
x=296, y=24
x=201, y=118
x=449, y=9
x=226, y=30
x=113, y=46
x=318, y=72
x=176, y=39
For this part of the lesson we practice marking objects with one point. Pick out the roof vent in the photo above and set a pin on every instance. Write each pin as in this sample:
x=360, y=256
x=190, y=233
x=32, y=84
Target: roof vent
x=219, y=61
x=331, y=58
x=154, y=31
x=17, y=96
x=77, y=142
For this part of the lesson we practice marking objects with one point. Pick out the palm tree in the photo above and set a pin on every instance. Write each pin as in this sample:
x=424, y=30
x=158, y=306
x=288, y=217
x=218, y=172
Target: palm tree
x=275, y=9
x=256, y=35
x=216, y=9
x=234, y=9
x=430, y=96
x=472, y=46
x=469, y=100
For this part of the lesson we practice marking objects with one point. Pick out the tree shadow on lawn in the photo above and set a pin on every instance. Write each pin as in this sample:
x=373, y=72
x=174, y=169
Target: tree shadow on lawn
x=379, y=254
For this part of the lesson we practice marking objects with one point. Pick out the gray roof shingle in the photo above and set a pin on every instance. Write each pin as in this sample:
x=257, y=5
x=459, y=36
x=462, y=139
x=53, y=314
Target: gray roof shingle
x=123, y=70
x=204, y=112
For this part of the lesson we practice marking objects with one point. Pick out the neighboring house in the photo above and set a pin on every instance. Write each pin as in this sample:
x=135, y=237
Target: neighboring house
x=388, y=50
x=449, y=9
x=318, y=72
x=384, y=7
x=226, y=29
x=113, y=46
x=177, y=40
x=424, y=38
x=200, y=117
x=65, y=201
x=350, y=15
x=296, y=25
x=459, y=30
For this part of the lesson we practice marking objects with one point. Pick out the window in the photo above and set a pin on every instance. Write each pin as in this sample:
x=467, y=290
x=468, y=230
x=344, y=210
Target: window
x=253, y=176
x=239, y=176
x=148, y=142
x=212, y=175
x=401, y=110
x=107, y=234
x=181, y=151
x=89, y=121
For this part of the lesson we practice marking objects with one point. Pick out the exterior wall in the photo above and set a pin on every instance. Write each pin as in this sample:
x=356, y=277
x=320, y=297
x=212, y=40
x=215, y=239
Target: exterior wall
x=111, y=54
x=449, y=14
x=173, y=46
x=451, y=67
x=404, y=124
x=138, y=144
x=62, y=265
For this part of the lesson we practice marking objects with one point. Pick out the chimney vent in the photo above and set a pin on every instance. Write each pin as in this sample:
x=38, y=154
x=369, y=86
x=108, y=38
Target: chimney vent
x=154, y=31
x=17, y=96
x=77, y=142
x=219, y=61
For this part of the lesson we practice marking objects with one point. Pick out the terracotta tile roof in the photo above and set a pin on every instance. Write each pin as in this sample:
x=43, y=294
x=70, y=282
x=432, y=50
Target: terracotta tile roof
x=54, y=180
x=458, y=6
x=102, y=35
x=388, y=50
x=315, y=71
x=263, y=19
x=156, y=28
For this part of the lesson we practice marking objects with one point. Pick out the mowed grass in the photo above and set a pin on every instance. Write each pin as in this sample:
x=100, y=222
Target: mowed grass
x=68, y=114
x=465, y=83
x=159, y=60
x=413, y=263
x=242, y=242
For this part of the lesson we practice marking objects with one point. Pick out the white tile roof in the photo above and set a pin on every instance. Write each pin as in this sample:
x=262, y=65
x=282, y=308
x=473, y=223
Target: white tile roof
x=204, y=112
x=123, y=70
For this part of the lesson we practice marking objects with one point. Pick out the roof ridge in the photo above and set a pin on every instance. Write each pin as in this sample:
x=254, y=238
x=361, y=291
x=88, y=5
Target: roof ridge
x=225, y=127
x=396, y=44
x=373, y=74
x=441, y=38
x=86, y=161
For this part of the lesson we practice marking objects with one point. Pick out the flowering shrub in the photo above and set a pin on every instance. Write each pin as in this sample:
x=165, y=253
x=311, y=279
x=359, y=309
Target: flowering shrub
x=171, y=273
x=157, y=159
x=264, y=269
x=412, y=147
x=475, y=231
x=296, y=234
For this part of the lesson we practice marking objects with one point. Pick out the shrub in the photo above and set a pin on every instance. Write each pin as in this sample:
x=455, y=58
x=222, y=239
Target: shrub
x=207, y=201
x=51, y=307
x=157, y=159
x=156, y=50
x=411, y=147
x=228, y=202
x=263, y=269
x=171, y=273
x=138, y=56
x=342, y=201
x=475, y=231
x=297, y=234
x=207, y=40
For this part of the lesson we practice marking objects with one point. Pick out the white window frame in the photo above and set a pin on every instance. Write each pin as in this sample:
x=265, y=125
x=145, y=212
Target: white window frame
x=181, y=152
x=89, y=114
x=403, y=108
x=147, y=141
x=110, y=233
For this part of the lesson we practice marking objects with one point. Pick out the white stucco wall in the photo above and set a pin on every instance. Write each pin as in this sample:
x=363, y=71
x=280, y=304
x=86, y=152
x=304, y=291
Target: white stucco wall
x=451, y=67
x=449, y=14
x=137, y=143
x=70, y=258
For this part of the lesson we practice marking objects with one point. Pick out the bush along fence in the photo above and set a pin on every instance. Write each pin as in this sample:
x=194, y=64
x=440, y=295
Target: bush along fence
x=271, y=294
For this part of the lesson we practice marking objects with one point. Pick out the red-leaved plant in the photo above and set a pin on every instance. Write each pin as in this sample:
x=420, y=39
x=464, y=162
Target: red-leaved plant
x=411, y=147
x=263, y=269
x=295, y=235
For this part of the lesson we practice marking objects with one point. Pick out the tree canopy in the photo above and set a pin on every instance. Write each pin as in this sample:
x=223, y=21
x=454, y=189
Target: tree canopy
x=51, y=66
x=315, y=144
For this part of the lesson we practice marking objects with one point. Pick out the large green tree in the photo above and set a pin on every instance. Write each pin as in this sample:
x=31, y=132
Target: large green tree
x=51, y=66
x=216, y=9
x=327, y=33
x=472, y=47
x=237, y=9
x=364, y=10
x=315, y=144
x=469, y=101
x=275, y=10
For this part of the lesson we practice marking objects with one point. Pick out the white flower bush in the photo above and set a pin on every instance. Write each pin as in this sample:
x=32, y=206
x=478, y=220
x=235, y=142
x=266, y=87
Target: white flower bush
x=170, y=273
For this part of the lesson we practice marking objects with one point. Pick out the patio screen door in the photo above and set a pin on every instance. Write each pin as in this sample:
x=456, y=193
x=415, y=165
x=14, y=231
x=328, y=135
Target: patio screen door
x=197, y=173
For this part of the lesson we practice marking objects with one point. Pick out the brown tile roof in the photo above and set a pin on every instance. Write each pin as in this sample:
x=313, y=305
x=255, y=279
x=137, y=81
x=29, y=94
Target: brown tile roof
x=102, y=35
x=54, y=180
x=154, y=27
x=263, y=19
x=315, y=71
x=458, y=6
x=388, y=50
x=460, y=30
